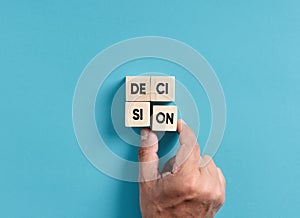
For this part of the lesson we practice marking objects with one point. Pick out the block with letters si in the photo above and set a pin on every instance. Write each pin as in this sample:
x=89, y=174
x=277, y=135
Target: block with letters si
x=137, y=114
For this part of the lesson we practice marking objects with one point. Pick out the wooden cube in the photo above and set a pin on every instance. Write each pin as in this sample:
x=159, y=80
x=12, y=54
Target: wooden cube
x=164, y=118
x=163, y=88
x=138, y=88
x=137, y=114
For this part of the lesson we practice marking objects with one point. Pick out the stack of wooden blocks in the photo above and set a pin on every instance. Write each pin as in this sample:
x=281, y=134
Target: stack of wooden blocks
x=140, y=91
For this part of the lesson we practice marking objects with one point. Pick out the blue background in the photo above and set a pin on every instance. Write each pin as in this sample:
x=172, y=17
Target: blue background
x=44, y=45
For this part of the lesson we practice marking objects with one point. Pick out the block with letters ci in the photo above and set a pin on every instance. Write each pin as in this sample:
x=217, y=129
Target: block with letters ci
x=138, y=88
x=137, y=114
x=164, y=118
x=163, y=88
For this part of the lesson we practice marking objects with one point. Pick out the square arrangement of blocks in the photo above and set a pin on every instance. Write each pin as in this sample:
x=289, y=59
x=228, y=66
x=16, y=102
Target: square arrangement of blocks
x=140, y=91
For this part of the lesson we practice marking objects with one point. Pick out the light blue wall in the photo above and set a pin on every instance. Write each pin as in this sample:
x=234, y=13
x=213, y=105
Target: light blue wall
x=44, y=45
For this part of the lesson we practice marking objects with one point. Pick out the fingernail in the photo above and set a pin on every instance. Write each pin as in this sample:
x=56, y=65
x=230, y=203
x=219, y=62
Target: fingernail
x=144, y=134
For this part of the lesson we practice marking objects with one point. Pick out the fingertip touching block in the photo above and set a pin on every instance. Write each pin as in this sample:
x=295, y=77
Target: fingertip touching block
x=137, y=114
x=164, y=118
x=138, y=88
x=163, y=88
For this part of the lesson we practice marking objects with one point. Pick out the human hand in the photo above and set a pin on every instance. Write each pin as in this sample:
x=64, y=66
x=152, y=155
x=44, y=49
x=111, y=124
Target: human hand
x=189, y=186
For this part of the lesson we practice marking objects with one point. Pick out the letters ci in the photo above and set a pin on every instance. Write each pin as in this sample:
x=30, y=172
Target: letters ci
x=160, y=91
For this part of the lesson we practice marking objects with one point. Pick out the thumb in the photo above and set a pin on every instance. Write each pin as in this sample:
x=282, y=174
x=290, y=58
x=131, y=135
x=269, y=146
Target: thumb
x=148, y=157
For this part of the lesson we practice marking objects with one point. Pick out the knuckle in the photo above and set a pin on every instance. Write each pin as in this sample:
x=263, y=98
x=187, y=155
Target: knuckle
x=191, y=186
x=197, y=148
x=219, y=197
x=207, y=192
x=206, y=161
x=212, y=193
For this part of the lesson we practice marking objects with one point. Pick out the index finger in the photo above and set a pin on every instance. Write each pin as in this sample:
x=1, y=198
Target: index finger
x=189, y=150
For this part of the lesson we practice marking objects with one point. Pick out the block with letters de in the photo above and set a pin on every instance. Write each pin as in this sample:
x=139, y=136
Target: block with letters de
x=164, y=118
x=163, y=88
x=137, y=114
x=138, y=88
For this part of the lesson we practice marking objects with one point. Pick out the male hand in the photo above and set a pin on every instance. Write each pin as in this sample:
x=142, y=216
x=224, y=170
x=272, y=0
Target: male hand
x=189, y=186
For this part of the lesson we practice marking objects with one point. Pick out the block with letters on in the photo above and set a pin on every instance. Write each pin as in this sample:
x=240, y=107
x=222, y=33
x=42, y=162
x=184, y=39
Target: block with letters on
x=137, y=114
x=164, y=118
x=138, y=88
x=162, y=88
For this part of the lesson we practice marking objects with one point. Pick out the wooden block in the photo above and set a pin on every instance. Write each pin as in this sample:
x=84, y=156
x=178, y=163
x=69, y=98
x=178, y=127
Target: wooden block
x=162, y=88
x=137, y=114
x=164, y=118
x=138, y=88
